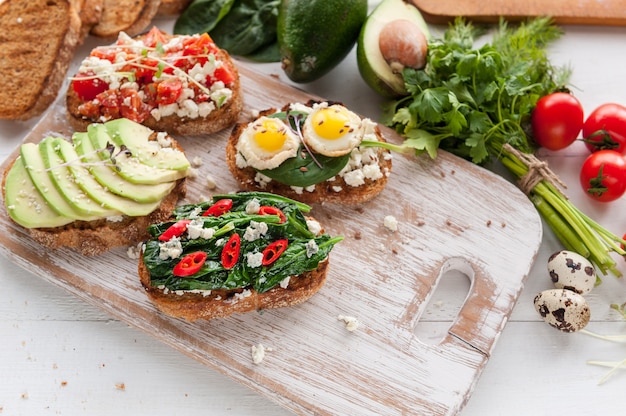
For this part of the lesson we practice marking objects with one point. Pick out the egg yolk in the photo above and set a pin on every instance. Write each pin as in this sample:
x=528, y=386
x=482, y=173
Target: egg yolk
x=330, y=123
x=270, y=135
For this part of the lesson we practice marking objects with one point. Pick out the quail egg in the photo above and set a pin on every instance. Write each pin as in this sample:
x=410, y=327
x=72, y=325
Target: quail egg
x=570, y=270
x=332, y=130
x=563, y=309
x=267, y=142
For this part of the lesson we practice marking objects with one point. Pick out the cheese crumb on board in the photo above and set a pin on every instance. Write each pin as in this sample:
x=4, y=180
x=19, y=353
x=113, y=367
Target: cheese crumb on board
x=258, y=353
x=391, y=223
x=352, y=324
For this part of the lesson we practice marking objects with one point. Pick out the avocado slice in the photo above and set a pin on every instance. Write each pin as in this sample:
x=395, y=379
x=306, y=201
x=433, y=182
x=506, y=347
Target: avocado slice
x=136, y=138
x=375, y=71
x=108, y=177
x=96, y=191
x=36, y=168
x=64, y=181
x=128, y=166
x=25, y=205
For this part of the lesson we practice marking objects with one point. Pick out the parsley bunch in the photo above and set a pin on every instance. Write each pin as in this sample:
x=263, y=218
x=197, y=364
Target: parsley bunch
x=476, y=102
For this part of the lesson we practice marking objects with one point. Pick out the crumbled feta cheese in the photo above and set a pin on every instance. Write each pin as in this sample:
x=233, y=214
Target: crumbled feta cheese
x=133, y=252
x=391, y=223
x=115, y=218
x=163, y=139
x=254, y=259
x=210, y=182
x=255, y=230
x=285, y=282
x=170, y=249
x=197, y=161
x=311, y=248
x=195, y=229
x=314, y=226
x=354, y=177
x=253, y=206
x=258, y=353
x=352, y=324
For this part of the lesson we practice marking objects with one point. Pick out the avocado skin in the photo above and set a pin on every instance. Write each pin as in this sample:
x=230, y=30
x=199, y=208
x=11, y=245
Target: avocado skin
x=315, y=35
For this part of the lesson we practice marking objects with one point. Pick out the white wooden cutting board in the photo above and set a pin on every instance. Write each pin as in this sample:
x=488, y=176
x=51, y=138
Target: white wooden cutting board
x=452, y=215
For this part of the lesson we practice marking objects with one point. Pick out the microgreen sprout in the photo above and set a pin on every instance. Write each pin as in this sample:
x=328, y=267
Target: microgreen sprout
x=298, y=119
x=613, y=365
x=110, y=160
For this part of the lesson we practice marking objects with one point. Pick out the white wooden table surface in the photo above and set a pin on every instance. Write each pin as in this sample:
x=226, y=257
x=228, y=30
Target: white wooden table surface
x=59, y=355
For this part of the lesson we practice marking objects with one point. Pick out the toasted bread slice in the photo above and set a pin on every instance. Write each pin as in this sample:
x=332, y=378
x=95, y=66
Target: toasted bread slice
x=223, y=116
x=334, y=190
x=130, y=16
x=222, y=303
x=90, y=13
x=31, y=75
x=235, y=253
x=100, y=234
x=172, y=7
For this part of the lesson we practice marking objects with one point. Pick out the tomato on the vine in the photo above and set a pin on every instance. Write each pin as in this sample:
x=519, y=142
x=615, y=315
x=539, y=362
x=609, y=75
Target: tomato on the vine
x=557, y=120
x=603, y=175
x=605, y=128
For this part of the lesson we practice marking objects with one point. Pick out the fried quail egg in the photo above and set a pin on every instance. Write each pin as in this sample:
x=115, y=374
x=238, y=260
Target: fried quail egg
x=267, y=142
x=332, y=130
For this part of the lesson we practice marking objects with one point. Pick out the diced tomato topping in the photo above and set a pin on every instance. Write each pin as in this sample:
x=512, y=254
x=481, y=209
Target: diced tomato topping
x=132, y=107
x=224, y=73
x=168, y=90
x=87, y=87
x=154, y=37
x=105, y=53
x=145, y=72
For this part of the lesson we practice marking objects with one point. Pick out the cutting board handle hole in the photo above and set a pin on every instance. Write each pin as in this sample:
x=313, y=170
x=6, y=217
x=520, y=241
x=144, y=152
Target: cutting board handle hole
x=456, y=285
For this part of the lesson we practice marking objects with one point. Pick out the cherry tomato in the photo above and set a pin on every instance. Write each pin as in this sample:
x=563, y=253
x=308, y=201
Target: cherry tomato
x=557, y=120
x=605, y=128
x=603, y=175
x=190, y=264
x=87, y=87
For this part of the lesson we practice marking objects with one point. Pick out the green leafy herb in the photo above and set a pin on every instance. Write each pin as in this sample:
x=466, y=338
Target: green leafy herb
x=476, y=102
x=201, y=16
x=242, y=27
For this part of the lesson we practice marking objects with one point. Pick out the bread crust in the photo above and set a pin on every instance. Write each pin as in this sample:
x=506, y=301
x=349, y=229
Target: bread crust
x=222, y=303
x=130, y=16
x=217, y=120
x=172, y=7
x=323, y=192
x=31, y=77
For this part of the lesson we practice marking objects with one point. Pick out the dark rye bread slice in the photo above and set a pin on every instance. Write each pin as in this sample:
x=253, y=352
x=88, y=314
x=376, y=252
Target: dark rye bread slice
x=222, y=303
x=38, y=39
x=217, y=120
x=130, y=16
x=323, y=192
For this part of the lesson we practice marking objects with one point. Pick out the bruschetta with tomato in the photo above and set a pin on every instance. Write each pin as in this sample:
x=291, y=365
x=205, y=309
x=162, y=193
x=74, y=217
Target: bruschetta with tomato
x=234, y=253
x=182, y=84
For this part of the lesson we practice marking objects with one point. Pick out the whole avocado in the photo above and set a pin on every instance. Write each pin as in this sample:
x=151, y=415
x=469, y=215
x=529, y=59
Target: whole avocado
x=315, y=35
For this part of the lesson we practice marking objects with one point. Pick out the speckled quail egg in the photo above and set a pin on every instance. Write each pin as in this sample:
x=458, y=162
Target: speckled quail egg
x=332, y=130
x=267, y=142
x=563, y=309
x=570, y=270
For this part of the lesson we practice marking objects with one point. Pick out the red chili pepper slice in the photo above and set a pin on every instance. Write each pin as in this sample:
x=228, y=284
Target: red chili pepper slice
x=220, y=207
x=273, y=251
x=175, y=230
x=230, y=252
x=269, y=210
x=190, y=264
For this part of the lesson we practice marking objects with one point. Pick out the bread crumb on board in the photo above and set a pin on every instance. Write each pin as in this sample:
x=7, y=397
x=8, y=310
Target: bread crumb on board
x=120, y=386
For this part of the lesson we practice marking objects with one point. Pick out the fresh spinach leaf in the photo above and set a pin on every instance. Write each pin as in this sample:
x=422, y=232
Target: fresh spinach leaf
x=303, y=171
x=202, y=16
x=250, y=25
